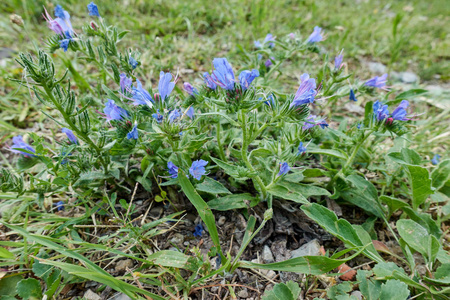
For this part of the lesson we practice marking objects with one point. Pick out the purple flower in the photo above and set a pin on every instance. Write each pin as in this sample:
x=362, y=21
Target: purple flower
x=64, y=44
x=257, y=44
x=269, y=38
x=133, y=63
x=125, y=83
x=173, y=170
x=400, y=112
x=114, y=112
x=316, y=36
x=312, y=121
x=284, y=168
x=435, y=159
x=209, y=81
x=141, y=96
x=61, y=13
x=60, y=26
x=352, y=95
x=133, y=134
x=198, y=168
x=268, y=62
x=190, y=89
x=93, y=10
x=338, y=61
x=301, y=149
x=292, y=36
x=246, y=78
x=158, y=116
x=379, y=82
x=223, y=74
x=198, y=230
x=18, y=143
x=306, y=92
x=380, y=111
x=173, y=115
x=60, y=206
x=165, y=87
x=72, y=138
x=190, y=112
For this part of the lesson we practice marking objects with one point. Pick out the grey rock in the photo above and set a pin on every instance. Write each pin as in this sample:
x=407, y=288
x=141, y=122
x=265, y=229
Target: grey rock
x=269, y=273
x=377, y=67
x=357, y=294
x=221, y=220
x=90, y=295
x=267, y=255
x=120, y=296
x=354, y=108
x=243, y=294
x=311, y=248
x=408, y=77
x=156, y=212
x=122, y=265
x=177, y=239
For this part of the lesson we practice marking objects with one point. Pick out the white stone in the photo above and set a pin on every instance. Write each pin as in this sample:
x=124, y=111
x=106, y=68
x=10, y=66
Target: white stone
x=309, y=249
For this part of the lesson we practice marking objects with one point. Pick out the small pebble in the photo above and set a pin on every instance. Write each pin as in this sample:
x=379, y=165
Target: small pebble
x=90, y=295
x=267, y=255
x=122, y=265
x=221, y=221
x=243, y=294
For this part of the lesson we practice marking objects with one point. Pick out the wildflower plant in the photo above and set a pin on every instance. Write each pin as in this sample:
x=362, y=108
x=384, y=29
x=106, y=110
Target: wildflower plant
x=125, y=132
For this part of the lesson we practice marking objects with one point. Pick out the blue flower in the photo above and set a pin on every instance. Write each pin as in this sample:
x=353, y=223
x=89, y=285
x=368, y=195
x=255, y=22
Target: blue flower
x=257, y=44
x=133, y=134
x=61, y=13
x=269, y=62
x=198, y=168
x=435, y=159
x=246, y=78
x=352, y=95
x=198, y=230
x=312, y=121
x=400, y=112
x=93, y=10
x=174, y=115
x=114, y=112
x=60, y=26
x=316, y=36
x=64, y=44
x=378, y=82
x=209, y=81
x=125, y=82
x=18, y=143
x=269, y=38
x=190, y=89
x=70, y=135
x=270, y=100
x=165, y=87
x=359, y=126
x=133, y=63
x=159, y=117
x=190, y=112
x=60, y=206
x=380, y=111
x=284, y=168
x=301, y=149
x=338, y=61
x=223, y=74
x=306, y=92
x=173, y=170
x=141, y=96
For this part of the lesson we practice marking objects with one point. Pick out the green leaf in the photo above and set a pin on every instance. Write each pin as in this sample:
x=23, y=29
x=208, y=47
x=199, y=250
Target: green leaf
x=5, y=254
x=234, y=201
x=441, y=175
x=280, y=191
x=406, y=156
x=41, y=270
x=236, y=172
x=288, y=291
x=8, y=285
x=441, y=276
x=421, y=185
x=394, y=289
x=93, y=177
x=29, y=289
x=336, y=292
x=370, y=289
x=409, y=94
x=328, y=152
x=386, y=269
x=212, y=186
x=169, y=258
x=307, y=190
x=393, y=204
x=202, y=208
x=340, y=228
x=418, y=238
x=362, y=193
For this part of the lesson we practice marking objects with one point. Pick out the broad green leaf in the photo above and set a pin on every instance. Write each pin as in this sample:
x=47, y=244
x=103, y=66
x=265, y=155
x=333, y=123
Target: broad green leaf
x=442, y=275
x=406, y=156
x=280, y=191
x=420, y=184
x=336, y=292
x=441, y=175
x=5, y=254
x=169, y=258
x=212, y=186
x=328, y=152
x=288, y=291
x=307, y=190
x=370, y=289
x=365, y=238
x=386, y=269
x=340, y=228
x=41, y=270
x=234, y=201
x=425, y=220
x=393, y=204
x=236, y=172
x=416, y=236
x=362, y=193
x=8, y=284
x=29, y=289
x=92, y=177
x=202, y=208
x=413, y=93
x=394, y=289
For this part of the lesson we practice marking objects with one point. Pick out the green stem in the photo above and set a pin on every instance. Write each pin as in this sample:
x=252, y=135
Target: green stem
x=25, y=243
x=219, y=142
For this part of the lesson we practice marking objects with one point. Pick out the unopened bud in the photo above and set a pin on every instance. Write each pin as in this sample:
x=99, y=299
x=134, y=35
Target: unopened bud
x=16, y=19
x=389, y=121
x=268, y=214
x=94, y=25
